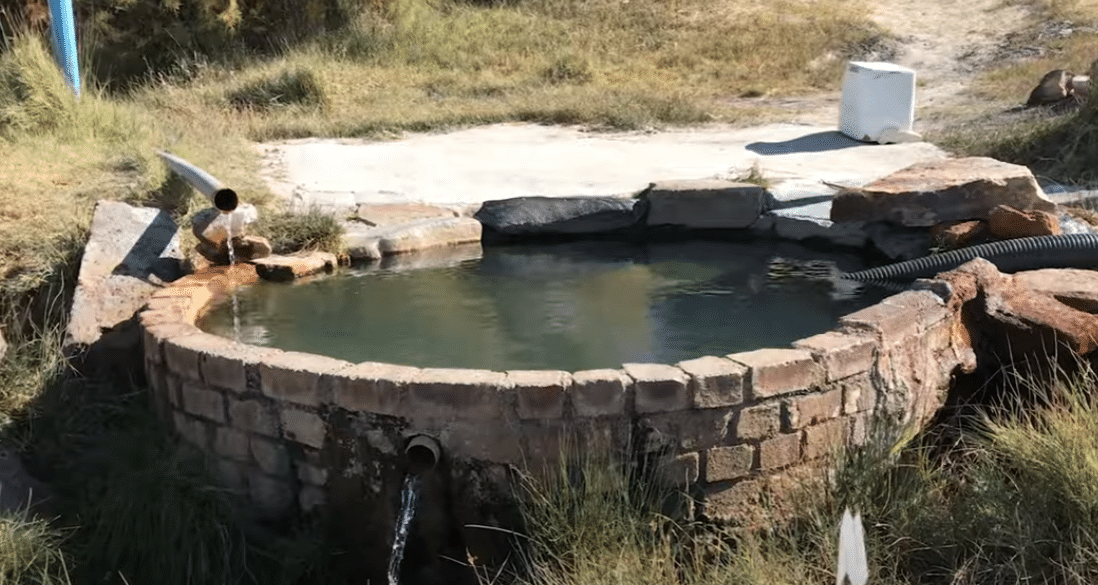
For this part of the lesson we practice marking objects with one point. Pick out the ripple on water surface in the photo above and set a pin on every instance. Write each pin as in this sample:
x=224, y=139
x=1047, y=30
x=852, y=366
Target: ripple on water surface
x=564, y=306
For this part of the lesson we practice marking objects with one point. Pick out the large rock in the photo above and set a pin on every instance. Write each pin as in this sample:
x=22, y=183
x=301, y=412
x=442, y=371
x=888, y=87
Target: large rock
x=1013, y=322
x=374, y=243
x=932, y=192
x=387, y=214
x=706, y=204
x=548, y=216
x=131, y=252
x=1054, y=88
x=1007, y=223
x=809, y=222
x=1073, y=287
x=899, y=243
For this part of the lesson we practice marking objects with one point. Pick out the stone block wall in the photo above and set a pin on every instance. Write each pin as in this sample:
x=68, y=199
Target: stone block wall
x=296, y=432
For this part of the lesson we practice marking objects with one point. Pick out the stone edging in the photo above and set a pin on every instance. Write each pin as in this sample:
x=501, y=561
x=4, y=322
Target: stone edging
x=734, y=423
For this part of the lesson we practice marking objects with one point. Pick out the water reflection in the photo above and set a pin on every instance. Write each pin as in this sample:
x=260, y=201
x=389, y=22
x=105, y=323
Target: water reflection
x=567, y=306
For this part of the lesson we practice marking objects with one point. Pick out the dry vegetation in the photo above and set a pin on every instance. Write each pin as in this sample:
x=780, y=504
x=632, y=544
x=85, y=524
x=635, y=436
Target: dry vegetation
x=414, y=65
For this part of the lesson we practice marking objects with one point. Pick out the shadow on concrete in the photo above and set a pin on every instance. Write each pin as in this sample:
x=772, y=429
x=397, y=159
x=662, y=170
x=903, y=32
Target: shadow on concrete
x=816, y=142
x=144, y=261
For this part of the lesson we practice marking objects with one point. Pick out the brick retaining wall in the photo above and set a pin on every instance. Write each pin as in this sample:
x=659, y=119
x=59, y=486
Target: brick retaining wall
x=298, y=432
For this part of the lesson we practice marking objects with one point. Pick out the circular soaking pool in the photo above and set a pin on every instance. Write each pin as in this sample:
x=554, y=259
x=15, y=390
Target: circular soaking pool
x=573, y=306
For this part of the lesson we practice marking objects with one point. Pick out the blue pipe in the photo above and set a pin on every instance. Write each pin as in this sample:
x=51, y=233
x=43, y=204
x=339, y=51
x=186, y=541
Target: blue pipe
x=63, y=26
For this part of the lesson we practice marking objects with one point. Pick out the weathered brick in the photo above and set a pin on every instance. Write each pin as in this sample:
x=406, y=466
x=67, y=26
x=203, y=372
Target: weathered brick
x=780, y=451
x=231, y=444
x=737, y=502
x=859, y=395
x=681, y=471
x=471, y=441
x=373, y=387
x=715, y=381
x=691, y=430
x=898, y=316
x=230, y=475
x=181, y=357
x=539, y=393
x=599, y=392
x=226, y=367
x=825, y=438
x=272, y=496
x=311, y=498
x=841, y=354
x=453, y=393
x=311, y=474
x=295, y=376
x=174, y=389
x=271, y=457
x=923, y=307
x=659, y=387
x=724, y=463
x=801, y=411
x=774, y=372
x=304, y=427
x=204, y=402
x=192, y=430
x=253, y=416
x=758, y=422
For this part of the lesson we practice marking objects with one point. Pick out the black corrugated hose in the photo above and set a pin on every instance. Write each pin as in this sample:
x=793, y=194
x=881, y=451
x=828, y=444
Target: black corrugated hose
x=1064, y=251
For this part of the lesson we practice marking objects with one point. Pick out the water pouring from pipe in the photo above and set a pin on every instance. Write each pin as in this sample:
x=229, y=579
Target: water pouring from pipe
x=422, y=455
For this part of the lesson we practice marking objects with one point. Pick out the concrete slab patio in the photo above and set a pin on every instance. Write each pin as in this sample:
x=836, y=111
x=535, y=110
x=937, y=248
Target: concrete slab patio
x=501, y=161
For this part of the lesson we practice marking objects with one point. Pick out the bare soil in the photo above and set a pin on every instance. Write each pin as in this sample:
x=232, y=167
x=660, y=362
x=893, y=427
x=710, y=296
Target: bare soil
x=948, y=43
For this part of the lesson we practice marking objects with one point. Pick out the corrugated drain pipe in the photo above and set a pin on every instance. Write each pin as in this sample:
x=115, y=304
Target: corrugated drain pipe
x=222, y=197
x=1064, y=251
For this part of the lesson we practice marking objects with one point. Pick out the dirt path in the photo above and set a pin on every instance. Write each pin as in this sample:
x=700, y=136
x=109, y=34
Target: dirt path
x=946, y=42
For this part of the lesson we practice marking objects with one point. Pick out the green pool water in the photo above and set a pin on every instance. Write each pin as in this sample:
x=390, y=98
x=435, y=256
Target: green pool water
x=564, y=306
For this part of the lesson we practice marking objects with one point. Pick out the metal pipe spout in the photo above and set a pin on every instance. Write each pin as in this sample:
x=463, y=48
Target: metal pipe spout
x=422, y=454
x=222, y=197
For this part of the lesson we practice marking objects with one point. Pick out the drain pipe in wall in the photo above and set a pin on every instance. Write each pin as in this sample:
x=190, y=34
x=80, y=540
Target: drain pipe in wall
x=222, y=197
x=422, y=454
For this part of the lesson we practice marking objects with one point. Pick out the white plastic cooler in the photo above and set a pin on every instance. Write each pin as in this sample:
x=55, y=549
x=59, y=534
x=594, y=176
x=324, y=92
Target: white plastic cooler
x=878, y=103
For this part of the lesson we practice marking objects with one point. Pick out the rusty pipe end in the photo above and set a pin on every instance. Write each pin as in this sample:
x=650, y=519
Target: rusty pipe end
x=422, y=453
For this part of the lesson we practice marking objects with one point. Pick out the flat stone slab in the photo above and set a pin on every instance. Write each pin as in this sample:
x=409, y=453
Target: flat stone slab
x=706, y=204
x=374, y=243
x=131, y=252
x=927, y=193
x=560, y=215
x=286, y=268
x=502, y=161
x=387, y=214
x=811, y=221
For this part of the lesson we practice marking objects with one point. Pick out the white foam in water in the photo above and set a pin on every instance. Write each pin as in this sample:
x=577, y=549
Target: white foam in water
x=408, y=496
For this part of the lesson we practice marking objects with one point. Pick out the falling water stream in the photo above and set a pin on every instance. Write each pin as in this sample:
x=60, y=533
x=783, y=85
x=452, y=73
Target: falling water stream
x=232, y=263
x=408, y=496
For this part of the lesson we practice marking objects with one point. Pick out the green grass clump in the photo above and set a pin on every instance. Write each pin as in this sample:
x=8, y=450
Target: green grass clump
x=286, y=88
x=291, y=232
x=33, y=93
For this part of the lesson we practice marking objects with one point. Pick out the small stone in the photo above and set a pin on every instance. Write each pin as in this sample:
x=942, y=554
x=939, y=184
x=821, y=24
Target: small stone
x=1006, y=223
x=957, y=234
x=285, y=268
